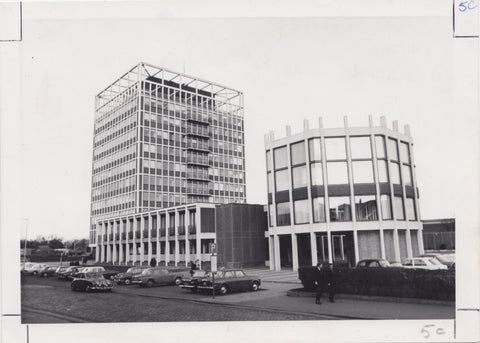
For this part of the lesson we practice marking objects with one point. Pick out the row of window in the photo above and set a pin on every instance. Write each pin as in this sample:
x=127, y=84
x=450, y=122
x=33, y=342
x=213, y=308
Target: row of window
x=336, y=150
x=120, y=111
x=120, y=158
x=366, y=209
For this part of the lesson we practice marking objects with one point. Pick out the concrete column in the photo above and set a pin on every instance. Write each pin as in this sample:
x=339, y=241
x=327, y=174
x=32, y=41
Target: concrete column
x=294, y=252
x=114, y=253
x=142, y=249
x=421, y=249
x=313, y=248
x=199, y=236
x=167, y=243
x=396, y=245
x=187, y=238
x=157, y=230
x=97, y=253
x=121, y=257
x=355, y=246
x=127, y=253
x=329, y=243
x=408, y=241
x=177, y=244
x=271, y=253
x=276, y=250
x=150, y=226
x=134, y=241
x=382, y=243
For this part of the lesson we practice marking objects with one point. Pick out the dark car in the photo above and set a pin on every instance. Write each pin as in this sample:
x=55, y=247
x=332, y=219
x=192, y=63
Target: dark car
x=126, y=278
x=89, y=282
x=373, y=263
x=48, y=271
x=232, y=280
x=68, y=274
x=191, y=282
x=160, y=275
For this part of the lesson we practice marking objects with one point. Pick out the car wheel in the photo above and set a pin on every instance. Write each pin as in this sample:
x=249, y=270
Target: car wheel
x=88, y=289
x=223, y=289
x=127, y=281
x=178, y=281
x=150, y=283
x=255, y=286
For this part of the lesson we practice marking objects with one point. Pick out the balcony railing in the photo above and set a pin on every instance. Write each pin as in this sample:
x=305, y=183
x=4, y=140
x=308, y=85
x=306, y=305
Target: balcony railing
x=198, y=175
x=192, y=229
x=197, y=160
x=171, y=231
x=198, y=190
x=181, y=229
x=198, y=131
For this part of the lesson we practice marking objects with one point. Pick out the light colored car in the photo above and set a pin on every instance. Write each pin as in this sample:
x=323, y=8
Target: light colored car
x=34, y=268
x=161, y=275
x=423, y=263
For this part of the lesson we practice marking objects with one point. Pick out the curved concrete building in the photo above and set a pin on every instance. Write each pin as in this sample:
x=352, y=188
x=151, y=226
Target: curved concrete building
x=341, y=195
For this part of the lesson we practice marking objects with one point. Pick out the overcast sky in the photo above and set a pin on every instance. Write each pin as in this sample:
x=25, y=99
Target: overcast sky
x=289, y=69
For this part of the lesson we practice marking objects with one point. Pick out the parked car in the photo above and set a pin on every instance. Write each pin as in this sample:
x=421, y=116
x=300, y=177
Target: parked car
x=89, y=282
x=33, y=268
x=191, y=282
x=373, y=263
x=423, y=263
x=446, y=259
x=68, y=273
x=126, y=278
x=160, y=275
x=108, y=274
x=227, y=281
x=48, y=271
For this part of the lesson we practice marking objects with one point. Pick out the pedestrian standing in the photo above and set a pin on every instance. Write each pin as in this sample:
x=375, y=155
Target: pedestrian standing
x=330, y=279
x=324, y=281
x=193, y=267
x=318, y=283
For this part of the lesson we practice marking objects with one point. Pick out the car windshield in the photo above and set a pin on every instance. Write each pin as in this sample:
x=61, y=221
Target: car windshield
x=93, y=275
x=384, y=263
x=435, y=261
x=131, y=270
x=147, y=272
x=200, y=273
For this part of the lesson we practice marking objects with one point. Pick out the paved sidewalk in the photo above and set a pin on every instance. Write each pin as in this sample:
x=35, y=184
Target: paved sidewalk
x=281, y=276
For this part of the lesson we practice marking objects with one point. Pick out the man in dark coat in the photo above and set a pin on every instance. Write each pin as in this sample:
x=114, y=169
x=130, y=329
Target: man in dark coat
x=324, y=281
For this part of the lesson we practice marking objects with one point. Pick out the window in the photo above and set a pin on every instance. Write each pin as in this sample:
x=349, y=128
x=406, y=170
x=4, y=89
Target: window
x=335, y=149
x=382, y=171
x=270, y=182
x=283, y=213
x=362, y=172
x=269, y=157
x=410, y=209
x=366, y=208
x=360, y=147
x=337, y=173
x=398, y=208
x=392, y=149
x=299, y=175
x=407, y=175
x=280, y=157
x=339, y=208
x=380, y=145
x=386, y=206
x=315, y=151
x=270, y=214
x=281, y=180
x=404, y=152
x=301, y=211
x=318, y=210
x=297, y=153
x=316, y=174
x=395, y=173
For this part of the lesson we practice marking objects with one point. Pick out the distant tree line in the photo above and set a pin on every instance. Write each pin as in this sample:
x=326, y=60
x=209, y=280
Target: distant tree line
x=75, y=245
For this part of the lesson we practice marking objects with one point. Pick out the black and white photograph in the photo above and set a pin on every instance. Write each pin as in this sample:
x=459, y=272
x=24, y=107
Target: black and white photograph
x=271, y=171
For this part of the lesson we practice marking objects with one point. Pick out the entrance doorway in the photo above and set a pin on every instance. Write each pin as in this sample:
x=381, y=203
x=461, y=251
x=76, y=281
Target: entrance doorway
x=304, y=250
x=285, y=250
x=342, y=248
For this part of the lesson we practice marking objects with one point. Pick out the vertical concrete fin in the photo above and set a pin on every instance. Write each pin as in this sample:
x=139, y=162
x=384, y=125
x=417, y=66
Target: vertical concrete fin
x=345, y=121
x=272, y=136
x=406, y=128
x=266, y=138
x=320, y=122
x=383, y=121
x=395, y=125
x=305, y=125
x=288, y=130
x=370, y=121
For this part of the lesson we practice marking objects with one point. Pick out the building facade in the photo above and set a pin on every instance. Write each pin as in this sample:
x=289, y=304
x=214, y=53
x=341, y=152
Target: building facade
x=341, y=195
x=439, y=234
x=164, y=139
x=177, y=235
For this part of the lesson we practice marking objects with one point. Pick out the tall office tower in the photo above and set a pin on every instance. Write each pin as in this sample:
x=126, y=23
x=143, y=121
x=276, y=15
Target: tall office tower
x=164, y=139
x=342, y=195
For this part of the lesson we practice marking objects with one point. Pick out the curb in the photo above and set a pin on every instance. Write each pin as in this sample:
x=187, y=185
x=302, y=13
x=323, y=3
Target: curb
x=303, y=293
